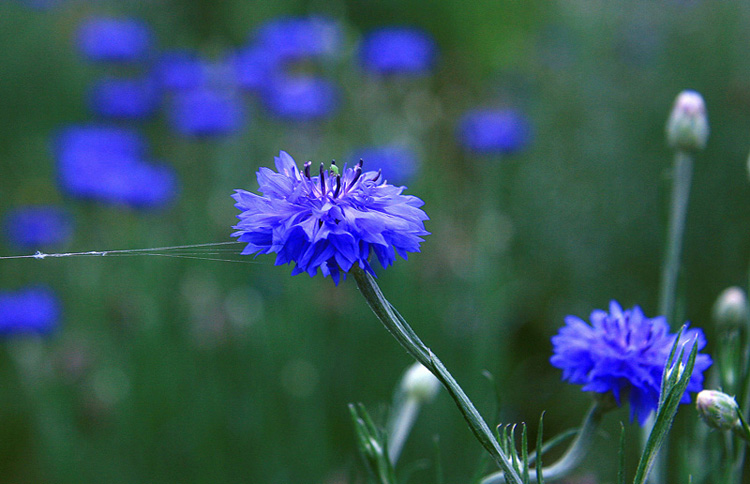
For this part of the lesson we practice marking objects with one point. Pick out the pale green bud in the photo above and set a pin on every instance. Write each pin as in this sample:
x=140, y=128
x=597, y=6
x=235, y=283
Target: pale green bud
x=717, y=409
x=687, y=127
x=730, y=309
x=419, y=383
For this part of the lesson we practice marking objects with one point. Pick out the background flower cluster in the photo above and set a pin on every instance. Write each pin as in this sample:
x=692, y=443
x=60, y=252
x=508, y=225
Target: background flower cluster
x=533, y=133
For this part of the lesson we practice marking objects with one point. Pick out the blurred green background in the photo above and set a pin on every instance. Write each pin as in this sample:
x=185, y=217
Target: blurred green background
x=171, y=370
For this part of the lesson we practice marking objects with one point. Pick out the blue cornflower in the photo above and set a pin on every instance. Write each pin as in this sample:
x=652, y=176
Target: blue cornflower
x=129, y=99
x=32, y=310
x=206, y=112
x=255, y=67
x=108, y=164
x=36, y=226
x=329, y=221
x=398, y=163
x=398, y=50
x=494, y=131
x=301, y=98
x=114, y=39
x=180, y=69
x=624, y=352
x=292, y=38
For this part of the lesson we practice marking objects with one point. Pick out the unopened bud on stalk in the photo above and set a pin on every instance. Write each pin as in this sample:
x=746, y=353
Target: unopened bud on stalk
x=687, y=127
x=419, y=383
x=717, y=409
x=730, y=309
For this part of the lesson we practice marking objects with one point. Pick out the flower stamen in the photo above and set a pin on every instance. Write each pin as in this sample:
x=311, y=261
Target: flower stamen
x=322, y=180
x=338, y=186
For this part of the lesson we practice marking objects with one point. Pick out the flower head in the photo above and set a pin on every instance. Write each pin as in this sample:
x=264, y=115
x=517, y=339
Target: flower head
x=130, y=99
x=206, y=112
x=624, y=352
x=38, y=226
x=329, y=221
x=301, y=98
x=717, y=409
x=114, y=39
x=494, y=131
x=108, y=164
x=687, y=126
x=31, y=310
x=292, y=38
x=398, y=50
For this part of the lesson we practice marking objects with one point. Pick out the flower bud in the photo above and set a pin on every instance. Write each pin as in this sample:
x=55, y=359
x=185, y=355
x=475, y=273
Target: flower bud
x=687, y=127
x=730, y=309
x=717, y=409
x=419, y=383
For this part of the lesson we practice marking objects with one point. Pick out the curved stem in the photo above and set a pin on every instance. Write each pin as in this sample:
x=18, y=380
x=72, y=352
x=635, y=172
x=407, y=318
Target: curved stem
x=573, y=456
x=405, y=335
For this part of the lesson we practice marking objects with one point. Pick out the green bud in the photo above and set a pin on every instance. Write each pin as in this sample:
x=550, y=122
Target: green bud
x=718, y=409
x=687, y=127
x=730, y=309
x=419, y=383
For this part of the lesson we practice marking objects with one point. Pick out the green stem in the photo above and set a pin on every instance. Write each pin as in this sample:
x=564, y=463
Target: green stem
x=405, y=335
x=575, y=453
x=682, y=175
x=683, y=169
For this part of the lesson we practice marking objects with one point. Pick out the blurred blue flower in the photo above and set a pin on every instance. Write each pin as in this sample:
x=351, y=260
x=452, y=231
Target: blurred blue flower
x=292, y=38
x=494, y=131
x=206, y=112
x=129, y=99
x=328, y=221
x=180, y=69
x=624, y=352
x=398, y=163
x=184, y=69
x=398, y=50
x=107, y=164
x=301, y=98
x=114, y=39
x=36, y=226
x=32, y=310
x=255, y=67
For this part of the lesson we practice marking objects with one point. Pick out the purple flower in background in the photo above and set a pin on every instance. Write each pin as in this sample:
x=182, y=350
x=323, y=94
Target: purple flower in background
x=36, y=226
x=108, y=164
x=301, y=98
x=183, y=70
x=398, y=163
x=398, y=50
x=180, y=69
x=329, y=221
x=624, y=352
x=494, y=131
x=255, y=67
x=129, y=99
x=206, y=112
x=32, y=310
x=292, y=38
x=114, y=39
